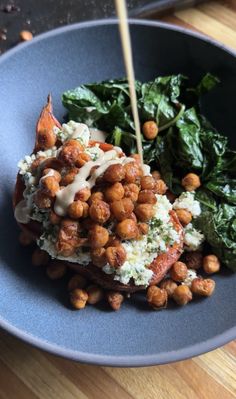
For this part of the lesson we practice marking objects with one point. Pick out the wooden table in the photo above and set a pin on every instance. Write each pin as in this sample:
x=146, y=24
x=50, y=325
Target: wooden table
x=27, y=373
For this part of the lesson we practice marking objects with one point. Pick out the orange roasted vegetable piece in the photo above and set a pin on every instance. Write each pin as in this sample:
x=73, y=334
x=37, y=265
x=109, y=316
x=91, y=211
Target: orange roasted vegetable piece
x=45, y=136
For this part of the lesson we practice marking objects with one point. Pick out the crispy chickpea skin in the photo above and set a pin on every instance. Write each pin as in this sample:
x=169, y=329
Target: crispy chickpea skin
x=191, y=182
x=144, y=212
x=211, y=264
x=98, y=256
x=157, y=297
x=53, y=173
x=116, y=256
x=194, y=259
x=77, y=281
x=40, y=257
x=156, y=175
x=147, y=197
x=68, y=238
x=97, y=196
x=143, y=228
x=132, y=172
x=122, y=209
x=115, y=299
x=85, y=209
x=78, y=298
x=150, y=130
x=56, y=270
x=95, y=294
x=50, y=186
x=99, y=211
x=133, y=217
x=127, y=229
x=82, y=159
x=160, y=187
x=70, y=152
x=75, y=209
x=54, y=218
x=113, y=242
x=98, y=236
x=147, y=183
x=83, y=194
x=179, y=271
x=184, y=216
x=69, y=177
x=42, y=200
x=182, y=295
x=131, y=191
x=114, y=192
x=203, y=287
x=114, y=173
x=169, y=285
x=25, y=239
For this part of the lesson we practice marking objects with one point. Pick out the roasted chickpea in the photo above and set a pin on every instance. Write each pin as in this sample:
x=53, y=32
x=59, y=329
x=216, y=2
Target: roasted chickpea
x=56, y=270
x=115, y=299
x=97, y=196
x=147, y=183
x=133, y=217
x=50, y=186
x=169, y=285
x=82, y=159
x=127, y=229
x=136, y=158
x=160, y=187
x=150, y=130
x=144, y=212
x=191, y=182
x=156, y=175
x=25, y=239
x=70, y=152
x=78, y=298
x=99, y=211
x=114, y=192
x=68, y=238
x=143, y=228
x=116, y=256
x=194, y=259
x=42, y=200
x=35, y=164
x=131, y=191
x=52, y=173
x=147, y=197
x=95, y=294
x=40, y=257
x=77, y=281
x=75, y=209
x=113, y=242
x=203, y=287
x=114, y=173
x=85, y=209
x=184, y=216
x=182, y=295
x=179, y=271
x=157, y=297
x=132, y=172
x=54, y=218
x=98, y=236
x=211, y=264
x=69, y=177
x=83, y=194
x=122, y=209
x=98, y=256
x=66, y=248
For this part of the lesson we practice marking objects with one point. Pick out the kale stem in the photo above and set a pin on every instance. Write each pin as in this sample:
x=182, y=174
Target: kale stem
x=171, y=123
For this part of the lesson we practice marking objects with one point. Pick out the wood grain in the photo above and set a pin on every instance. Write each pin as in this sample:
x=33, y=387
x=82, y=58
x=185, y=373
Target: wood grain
x=27, y=373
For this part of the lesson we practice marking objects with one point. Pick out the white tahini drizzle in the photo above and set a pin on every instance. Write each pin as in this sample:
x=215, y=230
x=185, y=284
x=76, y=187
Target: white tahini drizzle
x=66, y=196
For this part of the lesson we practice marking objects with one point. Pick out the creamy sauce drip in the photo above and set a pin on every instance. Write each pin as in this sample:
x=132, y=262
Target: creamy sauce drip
x=66, y=196
x=128, y=60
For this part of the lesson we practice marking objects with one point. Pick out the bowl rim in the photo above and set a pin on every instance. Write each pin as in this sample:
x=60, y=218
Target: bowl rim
x=112, y=360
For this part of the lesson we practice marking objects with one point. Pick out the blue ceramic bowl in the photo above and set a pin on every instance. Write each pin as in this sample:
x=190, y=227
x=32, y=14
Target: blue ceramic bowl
x=34, y=308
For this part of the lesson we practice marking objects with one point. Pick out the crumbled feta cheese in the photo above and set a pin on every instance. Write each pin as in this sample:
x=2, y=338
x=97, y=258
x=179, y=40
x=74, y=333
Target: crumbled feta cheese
x=192, y=238
x=25, y=163
x=94, y=152
x=162, y=208
x=74, y=130
x=186, y=201
x=191, y=275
